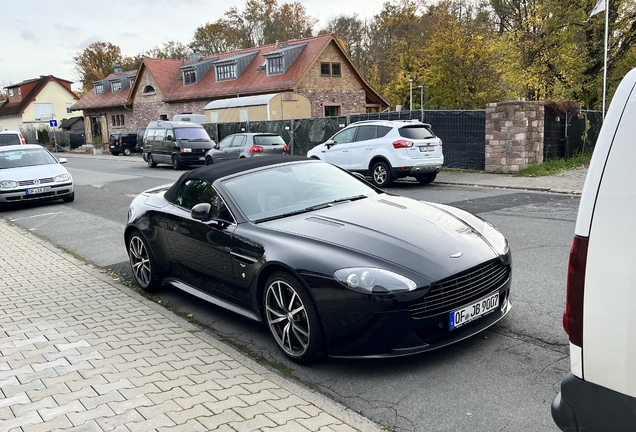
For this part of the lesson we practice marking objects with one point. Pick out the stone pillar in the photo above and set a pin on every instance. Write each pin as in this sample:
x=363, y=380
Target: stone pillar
x=514, y=135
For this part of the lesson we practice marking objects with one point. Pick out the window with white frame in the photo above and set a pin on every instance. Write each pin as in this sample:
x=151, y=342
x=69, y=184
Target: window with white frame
x=10, y=92
x=43, y=111
x=99, y=88
x=68, y=108
x=226, y=72
x=117, y=86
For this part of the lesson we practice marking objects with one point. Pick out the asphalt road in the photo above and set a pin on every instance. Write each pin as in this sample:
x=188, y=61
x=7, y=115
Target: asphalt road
x=501, y=380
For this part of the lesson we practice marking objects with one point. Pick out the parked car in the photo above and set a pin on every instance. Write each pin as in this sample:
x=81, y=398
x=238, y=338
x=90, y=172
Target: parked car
x=29, y=172
x=599, y=393
x=385, y=150
x=125, y=143
x=308, y=249
x=140, y=138
x=11, y=137
x=179, y=144
x=244, y=145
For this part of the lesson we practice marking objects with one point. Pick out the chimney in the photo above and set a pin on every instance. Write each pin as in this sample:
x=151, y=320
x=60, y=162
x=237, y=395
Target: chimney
x=118, y=69
x=195, y=57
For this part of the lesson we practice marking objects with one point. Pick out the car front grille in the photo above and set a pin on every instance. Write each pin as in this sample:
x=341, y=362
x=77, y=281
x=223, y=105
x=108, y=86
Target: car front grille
x=455, y=291
x=32, y=182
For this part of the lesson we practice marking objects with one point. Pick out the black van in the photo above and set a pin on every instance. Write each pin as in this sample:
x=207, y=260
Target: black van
x=175, y=143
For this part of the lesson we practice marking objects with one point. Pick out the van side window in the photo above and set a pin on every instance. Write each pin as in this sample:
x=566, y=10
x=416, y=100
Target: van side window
x=150, y=135
x=160, y=134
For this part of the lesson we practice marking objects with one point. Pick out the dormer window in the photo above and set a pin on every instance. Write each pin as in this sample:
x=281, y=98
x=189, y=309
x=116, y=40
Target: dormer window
x=117, y=86
x=226, y=72
x=99, y=88
x=10, y=92
x=189, y=76
x=149, y=89
x=275, y=65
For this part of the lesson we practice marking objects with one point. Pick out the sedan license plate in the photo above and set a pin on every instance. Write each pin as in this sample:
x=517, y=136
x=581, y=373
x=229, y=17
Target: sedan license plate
x=474, y=311
x=201, y=157
x=38, y=190
x=427, y=148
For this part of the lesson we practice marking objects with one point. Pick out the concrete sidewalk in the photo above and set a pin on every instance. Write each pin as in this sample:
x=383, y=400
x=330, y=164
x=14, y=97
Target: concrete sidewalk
x=80, y=352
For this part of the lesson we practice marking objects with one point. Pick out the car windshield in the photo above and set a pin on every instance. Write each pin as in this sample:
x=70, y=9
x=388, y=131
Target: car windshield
x=268, y=140
x=284, y=190
x=24, y=158
x=9, y=139
x=191, y=134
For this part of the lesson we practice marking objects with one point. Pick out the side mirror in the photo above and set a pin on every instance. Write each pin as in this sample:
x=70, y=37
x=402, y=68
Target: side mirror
x=202, y=212
x=62, y=160
x=329, y=143
x=169, y=138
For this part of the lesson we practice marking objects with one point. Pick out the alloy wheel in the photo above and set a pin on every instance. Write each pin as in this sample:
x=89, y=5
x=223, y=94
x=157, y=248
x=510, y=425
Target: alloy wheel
x=140, y=261
x=287, y=318
x=379, y=174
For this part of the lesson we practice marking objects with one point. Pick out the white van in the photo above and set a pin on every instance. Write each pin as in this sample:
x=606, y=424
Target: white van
x=194, y=118
x=600, y=392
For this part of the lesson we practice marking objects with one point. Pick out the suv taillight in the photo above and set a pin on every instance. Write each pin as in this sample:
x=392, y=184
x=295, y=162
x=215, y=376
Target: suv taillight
x=285, y=149
x=22, y=140
x=573, y=314
x=402, y=144
x=257, y=149
x=121, y=141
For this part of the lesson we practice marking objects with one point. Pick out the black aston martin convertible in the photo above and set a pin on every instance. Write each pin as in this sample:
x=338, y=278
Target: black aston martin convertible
x=329, y=263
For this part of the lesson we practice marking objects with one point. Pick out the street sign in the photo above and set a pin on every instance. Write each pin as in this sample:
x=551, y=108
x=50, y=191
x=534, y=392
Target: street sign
x=53, y=123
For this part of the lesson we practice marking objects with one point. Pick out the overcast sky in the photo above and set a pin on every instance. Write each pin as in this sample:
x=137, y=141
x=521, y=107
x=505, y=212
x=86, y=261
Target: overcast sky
x=41, y=37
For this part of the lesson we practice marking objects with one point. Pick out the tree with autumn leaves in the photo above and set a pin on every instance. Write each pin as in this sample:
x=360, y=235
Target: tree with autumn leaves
x=465, y=53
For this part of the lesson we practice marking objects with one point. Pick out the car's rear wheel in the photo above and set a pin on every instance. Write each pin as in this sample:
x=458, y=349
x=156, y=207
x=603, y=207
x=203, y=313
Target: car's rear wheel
x=426, y=179
x=127, y=151
x=381, y=174
x=209, y=161
x=142, y=262
x=292, y=318
x=176, y=164
x=69, y=198
x=151, y=163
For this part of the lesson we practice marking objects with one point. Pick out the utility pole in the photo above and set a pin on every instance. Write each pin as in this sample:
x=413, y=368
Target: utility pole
x=411, y=93
x=421, y=102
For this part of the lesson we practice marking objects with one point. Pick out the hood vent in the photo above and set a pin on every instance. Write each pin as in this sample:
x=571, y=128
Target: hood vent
x=324, y=222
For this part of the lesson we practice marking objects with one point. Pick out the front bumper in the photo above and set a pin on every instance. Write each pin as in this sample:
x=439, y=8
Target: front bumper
x=585, y=406
x=191, y=158
x=57, y=191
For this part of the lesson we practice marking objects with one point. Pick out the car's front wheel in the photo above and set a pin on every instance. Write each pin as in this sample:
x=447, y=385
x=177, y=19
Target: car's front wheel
x=292, y=318
x=176, y=163
x=209, y=160
x=142, y=262
x=427, y=178
x=151, y=163
x=381, y=174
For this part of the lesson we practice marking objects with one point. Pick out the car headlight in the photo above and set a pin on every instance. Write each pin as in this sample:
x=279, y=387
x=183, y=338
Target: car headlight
x=373, y=280
x=8, y=184
x=495, y=238
x=61, y=178
x=186, y=150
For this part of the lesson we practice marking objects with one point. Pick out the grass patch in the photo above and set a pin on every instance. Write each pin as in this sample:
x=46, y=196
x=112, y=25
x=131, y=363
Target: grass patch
x=555, y=166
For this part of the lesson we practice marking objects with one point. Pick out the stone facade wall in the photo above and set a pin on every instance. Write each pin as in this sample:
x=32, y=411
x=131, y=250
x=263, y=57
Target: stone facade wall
x=345, y=91
x=514, y=135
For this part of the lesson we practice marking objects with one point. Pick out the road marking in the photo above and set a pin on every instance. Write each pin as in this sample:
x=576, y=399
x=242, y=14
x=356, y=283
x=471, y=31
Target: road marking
x=34, y=216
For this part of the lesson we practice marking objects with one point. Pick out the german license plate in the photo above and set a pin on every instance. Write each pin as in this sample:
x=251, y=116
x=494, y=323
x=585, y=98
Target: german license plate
x=476, y=310
x=39, y=190
x=427, y=148
x=201, y=157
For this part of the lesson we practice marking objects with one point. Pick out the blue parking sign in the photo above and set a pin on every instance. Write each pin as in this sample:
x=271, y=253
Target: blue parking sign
x=53, y=123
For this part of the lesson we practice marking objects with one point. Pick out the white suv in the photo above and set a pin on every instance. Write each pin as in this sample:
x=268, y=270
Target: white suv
x=385, y=150
x=10, y=137
x=600, y=392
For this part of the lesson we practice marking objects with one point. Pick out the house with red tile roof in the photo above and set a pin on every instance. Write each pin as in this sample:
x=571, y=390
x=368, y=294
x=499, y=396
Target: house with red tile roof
x=317, y=68
x=34, y=102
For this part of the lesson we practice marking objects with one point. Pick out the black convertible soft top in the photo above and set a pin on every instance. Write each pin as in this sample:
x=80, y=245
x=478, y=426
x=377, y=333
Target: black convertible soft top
x=211, y=173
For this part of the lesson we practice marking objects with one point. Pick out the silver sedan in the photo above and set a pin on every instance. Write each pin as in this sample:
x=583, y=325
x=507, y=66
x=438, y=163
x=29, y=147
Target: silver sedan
x=31, y=173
